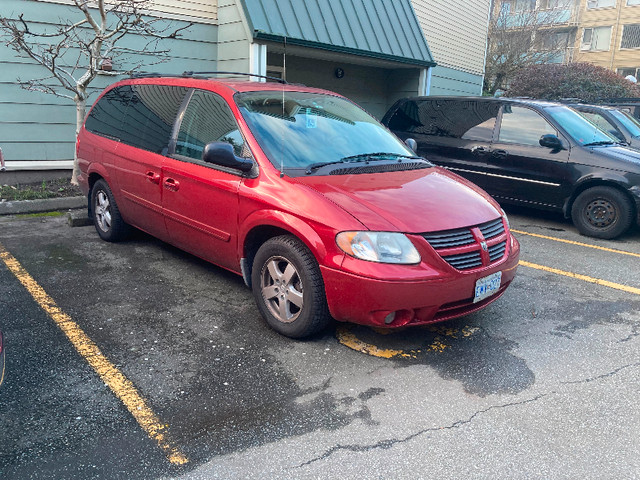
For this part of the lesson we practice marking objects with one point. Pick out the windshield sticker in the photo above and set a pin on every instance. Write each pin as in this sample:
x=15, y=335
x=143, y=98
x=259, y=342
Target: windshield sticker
x=311, y=117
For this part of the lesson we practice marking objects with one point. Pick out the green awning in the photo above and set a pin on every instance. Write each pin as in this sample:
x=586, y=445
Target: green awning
x=383, y=29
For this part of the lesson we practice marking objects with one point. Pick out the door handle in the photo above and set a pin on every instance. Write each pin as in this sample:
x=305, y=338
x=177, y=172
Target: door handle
x=171, y=184
x=478, y=150
x=153, y=177
x=500, y=154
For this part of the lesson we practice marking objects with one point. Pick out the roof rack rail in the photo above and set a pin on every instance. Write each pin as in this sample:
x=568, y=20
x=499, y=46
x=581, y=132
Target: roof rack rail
x=190, y=73
x=154, y=75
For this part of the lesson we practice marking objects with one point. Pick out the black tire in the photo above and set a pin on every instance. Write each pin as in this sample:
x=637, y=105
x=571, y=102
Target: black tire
x=602, y=212
x=288, y=287
x=106, y=215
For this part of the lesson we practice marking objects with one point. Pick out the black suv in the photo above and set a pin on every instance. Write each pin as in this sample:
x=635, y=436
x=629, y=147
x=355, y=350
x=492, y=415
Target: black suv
x=528, y=152
x=618, y=123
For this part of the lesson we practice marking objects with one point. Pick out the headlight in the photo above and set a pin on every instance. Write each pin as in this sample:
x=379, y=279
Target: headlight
x=382, y=247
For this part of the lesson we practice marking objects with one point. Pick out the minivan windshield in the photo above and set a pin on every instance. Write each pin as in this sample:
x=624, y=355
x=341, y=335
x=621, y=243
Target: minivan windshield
x=630, y=122
x=301, y=130
x=579, y=129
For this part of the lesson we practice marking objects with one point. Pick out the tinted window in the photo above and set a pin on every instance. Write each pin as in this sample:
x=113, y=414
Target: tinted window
x=523, y=125
x=207, y=119
x=469, y=120
x=150, y=116
x=106, y=117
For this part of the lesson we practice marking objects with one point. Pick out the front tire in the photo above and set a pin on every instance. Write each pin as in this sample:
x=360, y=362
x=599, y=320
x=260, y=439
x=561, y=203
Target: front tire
x=106, y=215
x=602, y=212
x=288, y=288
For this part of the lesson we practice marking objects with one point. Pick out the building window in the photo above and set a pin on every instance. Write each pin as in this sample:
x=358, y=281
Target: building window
x=625, y=72
x=633, y=2
x=597, y=38
x=551, y=4
x=630, y=36
x=601, y=3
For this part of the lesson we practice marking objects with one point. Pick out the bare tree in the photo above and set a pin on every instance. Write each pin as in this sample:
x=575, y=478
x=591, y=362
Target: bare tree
x=536, y=32
x=78, y=49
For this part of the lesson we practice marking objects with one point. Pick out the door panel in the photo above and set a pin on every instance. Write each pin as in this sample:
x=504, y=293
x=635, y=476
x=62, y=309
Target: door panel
x=519, y=169
x=145, y=136
x=200, y=200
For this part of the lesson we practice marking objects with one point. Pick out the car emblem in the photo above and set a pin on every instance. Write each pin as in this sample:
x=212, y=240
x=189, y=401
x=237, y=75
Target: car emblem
x=484, y=246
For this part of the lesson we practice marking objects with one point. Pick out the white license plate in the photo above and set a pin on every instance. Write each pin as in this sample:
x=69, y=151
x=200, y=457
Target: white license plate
x=487, y=286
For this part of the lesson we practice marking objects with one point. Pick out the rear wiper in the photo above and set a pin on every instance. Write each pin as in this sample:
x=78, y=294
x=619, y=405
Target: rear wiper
x=595, y=144
x=365, y=156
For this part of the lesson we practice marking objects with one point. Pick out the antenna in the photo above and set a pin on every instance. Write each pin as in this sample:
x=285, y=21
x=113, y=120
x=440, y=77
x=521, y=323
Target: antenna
x=284, y=78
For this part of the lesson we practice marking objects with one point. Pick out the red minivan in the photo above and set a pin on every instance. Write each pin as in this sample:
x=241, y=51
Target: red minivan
x=320, y=208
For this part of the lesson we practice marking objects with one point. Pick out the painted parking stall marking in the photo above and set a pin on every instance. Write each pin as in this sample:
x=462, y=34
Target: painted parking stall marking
x=119, y=384
x=580, y=244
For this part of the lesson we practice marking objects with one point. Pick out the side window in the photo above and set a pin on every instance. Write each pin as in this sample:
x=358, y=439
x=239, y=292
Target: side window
x=107, y=115
x=207, y=119
x=523, y=125
x=150, y=116
x=468, y=120
x=601, y=122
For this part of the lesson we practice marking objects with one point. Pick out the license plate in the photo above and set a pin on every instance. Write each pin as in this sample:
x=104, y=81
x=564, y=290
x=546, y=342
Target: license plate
x=487, y=286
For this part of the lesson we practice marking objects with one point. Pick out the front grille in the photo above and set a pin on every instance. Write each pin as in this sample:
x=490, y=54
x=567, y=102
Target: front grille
x=450, y=238
x=492, y=229
x=464, y=261
x=496, y=252
x=462, y=248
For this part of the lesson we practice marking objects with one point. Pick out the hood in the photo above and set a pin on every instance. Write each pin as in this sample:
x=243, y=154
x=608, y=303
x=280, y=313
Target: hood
x=616, y=157
x=414, y=201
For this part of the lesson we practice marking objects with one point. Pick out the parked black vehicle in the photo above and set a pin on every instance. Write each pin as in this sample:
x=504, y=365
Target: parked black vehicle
x=528, y=152
x=618, y=123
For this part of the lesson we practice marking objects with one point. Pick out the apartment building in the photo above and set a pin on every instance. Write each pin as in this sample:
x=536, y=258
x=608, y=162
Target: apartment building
x=610, y=35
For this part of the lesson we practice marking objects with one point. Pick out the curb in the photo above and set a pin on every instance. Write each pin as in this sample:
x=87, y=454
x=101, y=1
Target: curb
x=19, y=207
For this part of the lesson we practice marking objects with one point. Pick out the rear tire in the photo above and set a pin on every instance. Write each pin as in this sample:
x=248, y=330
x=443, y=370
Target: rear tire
x=288, y=288
x=106, y=215
x=602, y=212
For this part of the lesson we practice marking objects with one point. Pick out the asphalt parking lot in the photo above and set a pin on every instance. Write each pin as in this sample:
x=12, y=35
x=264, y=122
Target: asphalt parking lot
x=135, y=360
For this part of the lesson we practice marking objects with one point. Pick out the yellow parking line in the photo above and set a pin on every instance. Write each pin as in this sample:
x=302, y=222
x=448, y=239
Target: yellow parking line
x=585, y=278
x=580, y=244
x=120, y=385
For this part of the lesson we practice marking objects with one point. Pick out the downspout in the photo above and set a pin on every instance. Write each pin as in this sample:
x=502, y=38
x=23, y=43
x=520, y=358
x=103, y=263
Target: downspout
x=424, y=87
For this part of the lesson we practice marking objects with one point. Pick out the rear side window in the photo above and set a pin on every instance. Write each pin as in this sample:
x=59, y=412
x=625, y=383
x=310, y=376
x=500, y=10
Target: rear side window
x=106, y=117
x=139, y=115
x=150, y=115
x=468, y=120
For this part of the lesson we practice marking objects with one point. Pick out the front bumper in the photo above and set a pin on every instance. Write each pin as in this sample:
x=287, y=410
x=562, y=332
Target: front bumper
x=369, y=301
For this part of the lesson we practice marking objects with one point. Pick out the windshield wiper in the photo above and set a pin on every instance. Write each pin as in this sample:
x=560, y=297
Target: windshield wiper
x=364, y=156
x=595, y=144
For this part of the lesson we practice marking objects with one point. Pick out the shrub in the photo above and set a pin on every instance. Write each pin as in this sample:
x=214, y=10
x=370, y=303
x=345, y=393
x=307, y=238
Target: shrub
x=582, y=81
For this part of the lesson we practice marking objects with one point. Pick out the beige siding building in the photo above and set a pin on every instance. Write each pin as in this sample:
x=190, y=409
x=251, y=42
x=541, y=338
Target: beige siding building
x=610, y=35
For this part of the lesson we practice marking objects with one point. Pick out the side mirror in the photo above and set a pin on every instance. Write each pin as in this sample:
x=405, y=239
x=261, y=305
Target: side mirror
x=551, y=141
x=221, y=153
x=412, y=144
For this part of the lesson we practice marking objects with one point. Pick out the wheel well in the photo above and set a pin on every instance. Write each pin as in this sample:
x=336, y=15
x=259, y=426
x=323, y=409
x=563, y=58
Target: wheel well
x=596, y=183
x=252, y=243
x=93, y=178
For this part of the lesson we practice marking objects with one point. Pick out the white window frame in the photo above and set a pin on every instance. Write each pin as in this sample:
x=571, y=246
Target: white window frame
x=587, y=46
x=593, y=4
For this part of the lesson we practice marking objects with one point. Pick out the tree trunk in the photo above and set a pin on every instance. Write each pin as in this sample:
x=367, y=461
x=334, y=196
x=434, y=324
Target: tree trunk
x=81, y=106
